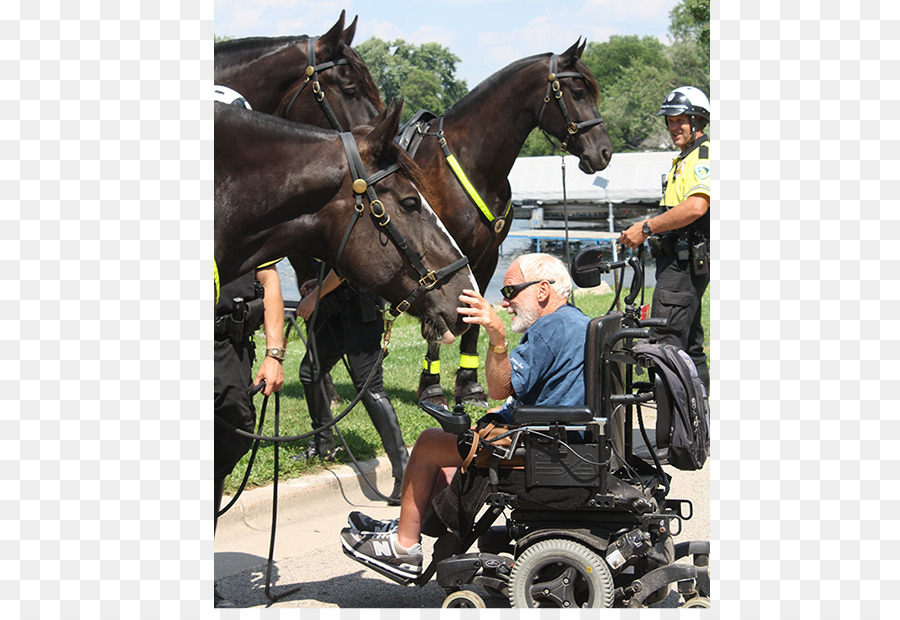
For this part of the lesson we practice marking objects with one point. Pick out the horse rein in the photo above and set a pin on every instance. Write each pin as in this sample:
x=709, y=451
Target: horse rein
x=554, y=91
x=361, y=185
x=312, y=74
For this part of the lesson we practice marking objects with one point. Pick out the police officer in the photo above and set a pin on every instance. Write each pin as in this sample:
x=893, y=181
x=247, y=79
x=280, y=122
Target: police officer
x=679, y=234
x=243, y=305
x=348, y=322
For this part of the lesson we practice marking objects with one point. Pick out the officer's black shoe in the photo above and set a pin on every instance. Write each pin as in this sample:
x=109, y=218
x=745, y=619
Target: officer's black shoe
x=221, y=601
x=312, y=451
x=394, y=498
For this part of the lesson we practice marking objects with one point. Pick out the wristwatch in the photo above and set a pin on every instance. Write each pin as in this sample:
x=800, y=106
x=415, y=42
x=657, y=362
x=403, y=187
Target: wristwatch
x=276, y=353
x=646, y=228
x=500, y=349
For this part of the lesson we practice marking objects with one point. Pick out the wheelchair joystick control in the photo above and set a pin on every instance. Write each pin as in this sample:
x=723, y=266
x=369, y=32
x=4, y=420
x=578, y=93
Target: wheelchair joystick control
x=455, y=422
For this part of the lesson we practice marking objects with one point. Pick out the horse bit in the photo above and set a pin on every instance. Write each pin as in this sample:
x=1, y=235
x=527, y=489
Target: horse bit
x=554, y=91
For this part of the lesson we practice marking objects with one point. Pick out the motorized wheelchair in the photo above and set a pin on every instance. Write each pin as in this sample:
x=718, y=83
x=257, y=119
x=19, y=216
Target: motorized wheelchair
x=610, y=542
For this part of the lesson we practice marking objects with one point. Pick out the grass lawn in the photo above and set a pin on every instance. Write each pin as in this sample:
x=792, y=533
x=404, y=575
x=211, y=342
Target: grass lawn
x=401, y=378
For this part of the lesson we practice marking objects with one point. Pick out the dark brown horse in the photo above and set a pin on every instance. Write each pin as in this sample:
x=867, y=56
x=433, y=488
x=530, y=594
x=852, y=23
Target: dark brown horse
x=315, y=80
x=282, y=188
x=484, y=131
x=319, y=81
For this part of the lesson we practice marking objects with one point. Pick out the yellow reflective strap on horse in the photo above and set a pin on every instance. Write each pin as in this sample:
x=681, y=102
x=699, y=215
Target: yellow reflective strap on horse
x=467, y=185
x=216, y=279
x=468, y=361
x=432, y=367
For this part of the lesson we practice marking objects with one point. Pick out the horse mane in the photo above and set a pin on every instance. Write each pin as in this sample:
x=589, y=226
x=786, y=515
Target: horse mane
x=361, y=71
x=497, y=79
x=258, y=44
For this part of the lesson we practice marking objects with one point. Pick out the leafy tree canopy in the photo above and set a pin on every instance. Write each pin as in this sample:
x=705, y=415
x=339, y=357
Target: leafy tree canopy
x=423, y=75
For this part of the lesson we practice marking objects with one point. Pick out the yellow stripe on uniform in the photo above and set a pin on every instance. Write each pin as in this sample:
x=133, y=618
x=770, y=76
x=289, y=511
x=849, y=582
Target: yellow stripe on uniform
x=216, y=279
x=433, y=368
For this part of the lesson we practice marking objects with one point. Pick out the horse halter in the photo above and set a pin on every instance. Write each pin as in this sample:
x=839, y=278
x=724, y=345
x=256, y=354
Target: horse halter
x=554, y=90
x=312, y=74
x=428, y=279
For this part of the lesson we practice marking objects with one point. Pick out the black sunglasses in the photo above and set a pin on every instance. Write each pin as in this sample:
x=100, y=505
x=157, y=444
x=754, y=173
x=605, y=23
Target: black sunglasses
x=510, y=291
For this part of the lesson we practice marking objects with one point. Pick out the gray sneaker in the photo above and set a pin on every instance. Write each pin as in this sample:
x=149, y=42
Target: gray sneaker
x=360, y=522
x=382, y=550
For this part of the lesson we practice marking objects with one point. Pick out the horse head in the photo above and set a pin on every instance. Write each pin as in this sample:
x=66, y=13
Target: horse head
x=405, y=254
x=342, y=94
x=572, y=92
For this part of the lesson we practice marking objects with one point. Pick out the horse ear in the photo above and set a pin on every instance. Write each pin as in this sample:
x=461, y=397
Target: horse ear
x=347, y=36
x=386, y=125
x=576, y=50
x=327, y=45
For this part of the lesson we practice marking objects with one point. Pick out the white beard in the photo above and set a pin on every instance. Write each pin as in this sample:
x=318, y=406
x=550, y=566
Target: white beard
x=523, y=318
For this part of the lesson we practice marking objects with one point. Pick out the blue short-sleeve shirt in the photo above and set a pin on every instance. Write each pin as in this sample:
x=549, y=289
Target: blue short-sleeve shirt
x=548, y=364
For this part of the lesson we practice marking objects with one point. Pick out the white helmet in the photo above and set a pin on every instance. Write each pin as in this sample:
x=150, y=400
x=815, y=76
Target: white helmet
x=685, y=100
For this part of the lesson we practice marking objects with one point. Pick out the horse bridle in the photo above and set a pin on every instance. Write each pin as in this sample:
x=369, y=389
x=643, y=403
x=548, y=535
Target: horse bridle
x=428, y=279
x=312, y=75
x=554, y=91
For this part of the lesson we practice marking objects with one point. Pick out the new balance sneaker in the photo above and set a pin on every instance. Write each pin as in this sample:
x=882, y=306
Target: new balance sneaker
x=360, y=522
x=382, y=550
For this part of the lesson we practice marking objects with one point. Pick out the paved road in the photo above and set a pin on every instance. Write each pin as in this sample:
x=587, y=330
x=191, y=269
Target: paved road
x=311, y=512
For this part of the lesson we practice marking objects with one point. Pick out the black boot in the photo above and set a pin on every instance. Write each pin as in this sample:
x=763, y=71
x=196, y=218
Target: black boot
x=320, y=415
x=383, y=416
x=218, y=599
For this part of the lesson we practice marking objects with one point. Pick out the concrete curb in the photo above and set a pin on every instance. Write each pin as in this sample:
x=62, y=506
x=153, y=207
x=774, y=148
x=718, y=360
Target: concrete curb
x=307, y=496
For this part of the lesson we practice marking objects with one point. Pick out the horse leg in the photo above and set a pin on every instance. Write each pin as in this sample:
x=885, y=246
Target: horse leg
x=468, y=391
x=430, y=378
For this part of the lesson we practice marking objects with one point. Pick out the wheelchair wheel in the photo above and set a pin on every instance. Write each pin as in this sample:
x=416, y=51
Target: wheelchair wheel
x=464, y=598
x=560, y=573
x=700, y=601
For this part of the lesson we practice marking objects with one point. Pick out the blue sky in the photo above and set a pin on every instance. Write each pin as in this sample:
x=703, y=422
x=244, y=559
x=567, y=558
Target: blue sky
x=485, y=34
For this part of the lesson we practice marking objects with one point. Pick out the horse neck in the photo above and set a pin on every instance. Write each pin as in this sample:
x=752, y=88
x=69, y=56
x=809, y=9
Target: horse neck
x=291, y=200
x=263, y=81
x=488, y=127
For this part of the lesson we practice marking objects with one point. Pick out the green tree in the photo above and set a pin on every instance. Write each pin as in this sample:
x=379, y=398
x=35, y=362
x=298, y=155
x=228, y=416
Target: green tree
x=630, y=107
x=689, y=29
x=608, y=60
x=689, y=22
x=423, y=75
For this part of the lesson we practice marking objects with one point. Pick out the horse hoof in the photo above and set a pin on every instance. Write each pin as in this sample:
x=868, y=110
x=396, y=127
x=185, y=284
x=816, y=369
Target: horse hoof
x=472, y=394
x=434, y=394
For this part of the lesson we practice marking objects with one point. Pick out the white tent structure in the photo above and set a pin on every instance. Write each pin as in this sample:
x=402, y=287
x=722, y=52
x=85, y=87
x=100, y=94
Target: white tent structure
x=630, y=178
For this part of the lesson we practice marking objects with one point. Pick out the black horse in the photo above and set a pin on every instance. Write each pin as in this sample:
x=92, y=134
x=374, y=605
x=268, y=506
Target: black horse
x=314, y=80
x=283, y=188
x=481, y=136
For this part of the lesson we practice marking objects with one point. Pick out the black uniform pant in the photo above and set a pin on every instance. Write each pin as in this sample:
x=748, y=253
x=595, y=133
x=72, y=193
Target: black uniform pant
x=353, y=329
x=678, y=297
x=233, y=365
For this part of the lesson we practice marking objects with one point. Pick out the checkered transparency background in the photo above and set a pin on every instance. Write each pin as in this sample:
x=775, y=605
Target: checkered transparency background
x=106, y=191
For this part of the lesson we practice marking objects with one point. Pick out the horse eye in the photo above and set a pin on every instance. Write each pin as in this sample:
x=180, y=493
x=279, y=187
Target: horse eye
x=577, y=94
x=410, y=204
x=350, y=92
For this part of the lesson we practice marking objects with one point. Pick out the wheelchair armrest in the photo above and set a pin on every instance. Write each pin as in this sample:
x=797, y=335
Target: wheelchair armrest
x=550, y=415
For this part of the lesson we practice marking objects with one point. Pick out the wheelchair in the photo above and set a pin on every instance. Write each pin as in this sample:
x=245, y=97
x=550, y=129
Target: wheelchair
x=609, y=542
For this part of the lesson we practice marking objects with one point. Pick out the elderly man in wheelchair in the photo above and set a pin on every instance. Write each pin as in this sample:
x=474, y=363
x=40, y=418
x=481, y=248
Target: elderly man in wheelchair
x=588, y=523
